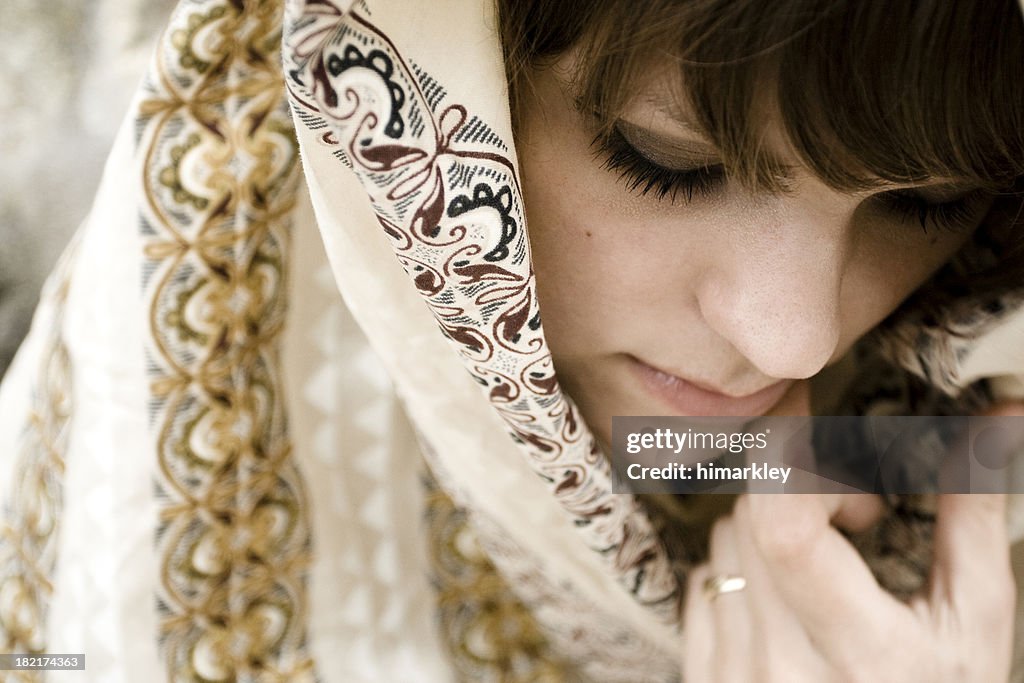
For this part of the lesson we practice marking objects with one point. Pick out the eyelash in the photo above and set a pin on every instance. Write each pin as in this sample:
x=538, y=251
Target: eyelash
x=643, y=176
x=955, y=215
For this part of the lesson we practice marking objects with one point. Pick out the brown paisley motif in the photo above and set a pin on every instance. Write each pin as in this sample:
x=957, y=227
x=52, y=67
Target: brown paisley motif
x=501, y=389
x=539, y=376
x=509, y=326
x=428, y=281
x=472, y=342
x=481, y=272
x=401, y=238
x=234, y=536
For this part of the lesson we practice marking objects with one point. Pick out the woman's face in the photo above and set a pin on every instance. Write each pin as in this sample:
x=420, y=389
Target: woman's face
x=712, y=305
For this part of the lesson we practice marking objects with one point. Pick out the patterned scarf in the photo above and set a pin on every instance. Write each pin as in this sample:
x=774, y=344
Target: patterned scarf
x=219, y=125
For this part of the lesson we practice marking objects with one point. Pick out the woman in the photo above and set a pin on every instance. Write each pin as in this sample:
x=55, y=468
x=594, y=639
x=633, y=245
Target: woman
x=695, y=250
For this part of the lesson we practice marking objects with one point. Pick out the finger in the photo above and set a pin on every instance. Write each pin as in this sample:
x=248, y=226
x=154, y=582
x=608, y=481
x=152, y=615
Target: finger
x=971, y=568
x=971, y=596
x=783, y=652
x=731, y=611
x=854, y=511
x=820, y=576
x=698, y=628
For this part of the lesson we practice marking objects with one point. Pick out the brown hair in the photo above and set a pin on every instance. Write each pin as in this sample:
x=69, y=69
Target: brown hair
x=899, y=91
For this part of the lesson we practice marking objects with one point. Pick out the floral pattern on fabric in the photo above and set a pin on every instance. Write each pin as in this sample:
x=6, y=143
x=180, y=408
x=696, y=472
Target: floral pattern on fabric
x=219, y=177
x=447, y=196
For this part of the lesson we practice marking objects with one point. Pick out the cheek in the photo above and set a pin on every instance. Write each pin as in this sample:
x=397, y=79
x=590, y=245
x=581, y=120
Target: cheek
x=583, y=266
x=607, y=270
x=887, y=265
x=597, y=249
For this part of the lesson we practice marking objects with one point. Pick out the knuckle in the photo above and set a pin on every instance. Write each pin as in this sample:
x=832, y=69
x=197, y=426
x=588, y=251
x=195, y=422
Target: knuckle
x=785, y=540
x=741, y=511
x=999, y=598
x=991, y=507
x=720, y=532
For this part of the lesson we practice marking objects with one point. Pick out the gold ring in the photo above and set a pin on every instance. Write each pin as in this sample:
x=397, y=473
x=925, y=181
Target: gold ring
x=723, y=583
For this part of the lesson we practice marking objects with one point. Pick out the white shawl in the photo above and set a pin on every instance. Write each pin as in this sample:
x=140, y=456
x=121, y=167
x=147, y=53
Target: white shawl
x=193, y=378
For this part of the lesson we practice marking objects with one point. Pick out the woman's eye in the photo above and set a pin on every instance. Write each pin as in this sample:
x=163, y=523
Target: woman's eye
x=643, y=176
x=956, y=215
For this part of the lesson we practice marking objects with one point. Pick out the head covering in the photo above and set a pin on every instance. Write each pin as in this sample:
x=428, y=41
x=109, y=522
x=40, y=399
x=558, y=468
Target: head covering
x=213, y=480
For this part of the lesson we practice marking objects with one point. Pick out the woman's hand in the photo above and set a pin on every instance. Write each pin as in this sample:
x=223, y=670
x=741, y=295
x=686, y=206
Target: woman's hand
x=812, y=611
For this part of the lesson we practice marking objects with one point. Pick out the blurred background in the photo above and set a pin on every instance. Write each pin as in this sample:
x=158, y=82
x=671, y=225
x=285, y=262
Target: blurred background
x=69, y=68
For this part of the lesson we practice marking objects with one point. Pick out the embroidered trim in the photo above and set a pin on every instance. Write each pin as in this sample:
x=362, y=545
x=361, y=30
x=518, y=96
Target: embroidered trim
x=488, y=633
x=219, y=178
x=30, y=523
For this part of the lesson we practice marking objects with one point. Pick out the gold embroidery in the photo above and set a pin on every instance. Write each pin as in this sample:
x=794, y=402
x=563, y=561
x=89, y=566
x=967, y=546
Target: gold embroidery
x=30, y=524
x=171, y=175
x=220, y=174
x=488, y=633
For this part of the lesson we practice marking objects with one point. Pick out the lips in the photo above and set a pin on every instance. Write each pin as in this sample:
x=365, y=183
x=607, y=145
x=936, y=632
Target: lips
x=685, y=397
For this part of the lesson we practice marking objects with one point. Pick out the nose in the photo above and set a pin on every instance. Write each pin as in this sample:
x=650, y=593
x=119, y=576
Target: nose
x=773, y=292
